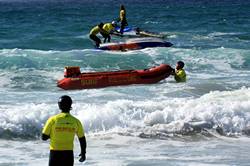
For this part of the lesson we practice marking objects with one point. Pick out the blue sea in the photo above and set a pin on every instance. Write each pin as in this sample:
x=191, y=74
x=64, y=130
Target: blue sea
x=203, y=122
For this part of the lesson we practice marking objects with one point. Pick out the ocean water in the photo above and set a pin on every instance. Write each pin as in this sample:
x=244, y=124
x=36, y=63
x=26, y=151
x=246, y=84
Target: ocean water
x=205, y=121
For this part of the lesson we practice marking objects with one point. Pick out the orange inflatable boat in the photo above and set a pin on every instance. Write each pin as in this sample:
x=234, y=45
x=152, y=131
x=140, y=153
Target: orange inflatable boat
x=74, y=79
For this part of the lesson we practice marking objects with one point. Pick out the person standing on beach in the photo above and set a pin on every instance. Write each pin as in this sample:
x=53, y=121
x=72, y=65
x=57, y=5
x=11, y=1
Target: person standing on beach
x=123, y=18
x=61, y=130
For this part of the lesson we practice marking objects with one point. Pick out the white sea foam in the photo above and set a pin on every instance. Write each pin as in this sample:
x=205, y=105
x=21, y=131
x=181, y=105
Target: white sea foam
x=229, y=110
x=139, y=112
x=217, y=34
x=5, y=80
x=37, y=53
x=220, y=59
x=226, y=109
x=152, y=22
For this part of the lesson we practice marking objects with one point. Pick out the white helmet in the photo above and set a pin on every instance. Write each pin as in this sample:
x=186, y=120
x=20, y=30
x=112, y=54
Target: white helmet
x=113, y=23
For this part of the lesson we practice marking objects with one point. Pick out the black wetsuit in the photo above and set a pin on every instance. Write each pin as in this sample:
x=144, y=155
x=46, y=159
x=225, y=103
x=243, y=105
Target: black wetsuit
x=96, y=39
x=124, y=23
x=106, y=36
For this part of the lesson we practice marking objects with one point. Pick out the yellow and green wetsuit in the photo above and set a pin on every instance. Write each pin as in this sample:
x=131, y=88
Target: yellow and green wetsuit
x=108, y=28
x=92, y=35
x=62, y=129
x=95, y=30
x=180, y=75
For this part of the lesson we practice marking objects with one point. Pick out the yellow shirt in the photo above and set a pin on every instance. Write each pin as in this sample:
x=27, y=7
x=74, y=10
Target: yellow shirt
x=108, y=27
x=62, y=129
x=122, y=15
x=95, y=30
x=180, y=75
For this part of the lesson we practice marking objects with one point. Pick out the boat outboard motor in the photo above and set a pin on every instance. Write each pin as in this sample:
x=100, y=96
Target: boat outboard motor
x=71, y=71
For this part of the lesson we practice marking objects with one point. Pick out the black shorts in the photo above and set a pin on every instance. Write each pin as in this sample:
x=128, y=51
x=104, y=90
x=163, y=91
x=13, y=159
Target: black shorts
x=95, y=38
x=124, y=23
x=61, y=158
x=105, y=35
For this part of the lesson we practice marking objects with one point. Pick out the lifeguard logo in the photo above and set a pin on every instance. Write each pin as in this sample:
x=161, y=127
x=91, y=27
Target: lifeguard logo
x=122, y=79
x=88, y=82
x=65, y=129
x=132, y=78
x=75, y=79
